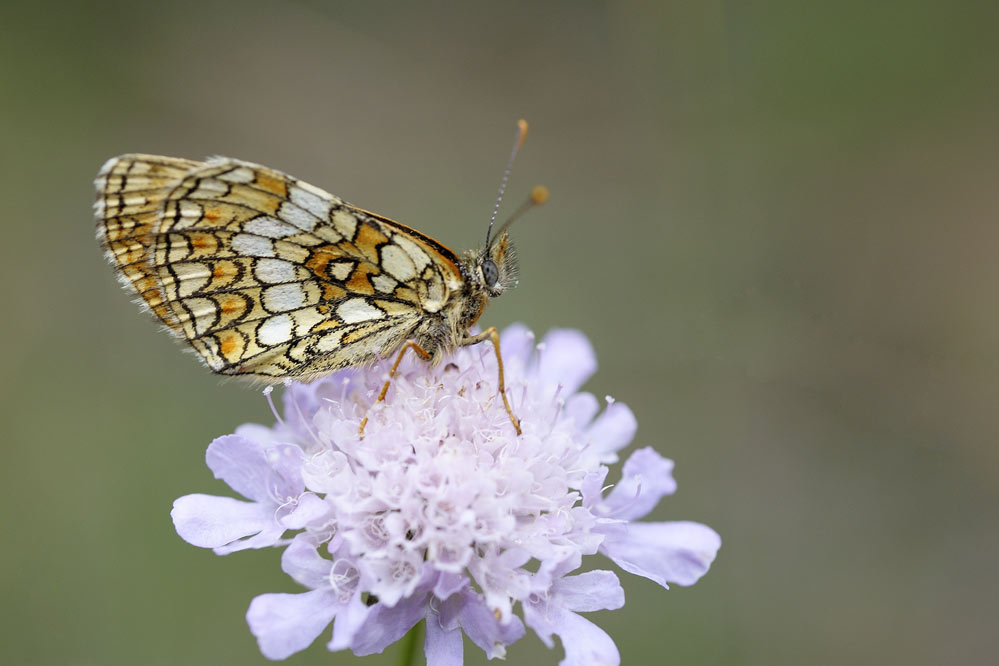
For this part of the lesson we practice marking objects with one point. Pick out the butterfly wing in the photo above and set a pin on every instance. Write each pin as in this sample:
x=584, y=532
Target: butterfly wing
x=263, y=274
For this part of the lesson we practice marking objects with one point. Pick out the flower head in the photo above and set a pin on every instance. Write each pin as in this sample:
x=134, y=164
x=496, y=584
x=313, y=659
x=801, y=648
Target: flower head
x=441, y=512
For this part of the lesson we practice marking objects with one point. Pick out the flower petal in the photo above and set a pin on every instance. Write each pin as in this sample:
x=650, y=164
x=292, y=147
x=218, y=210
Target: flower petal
x=311, y=510
x=442, y=647
x=566, y=357
x=261, y=435
x=384, y=626
x=286, y=462
x=645, y=479
x=349, y=619
x=208, y=521
x=450, y=583
x=303, y=563
x=240, y=462
x=585, y=643
x=592, y=487
x=481, y=624
x=287, y=623
x=590, y=591
x=611, y=431
x=301, y=402
x=517, y=343
x=676, y=552
x=582, y=407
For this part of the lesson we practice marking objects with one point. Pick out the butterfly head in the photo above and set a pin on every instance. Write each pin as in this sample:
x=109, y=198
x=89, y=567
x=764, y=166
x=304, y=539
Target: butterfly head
x=495, y=267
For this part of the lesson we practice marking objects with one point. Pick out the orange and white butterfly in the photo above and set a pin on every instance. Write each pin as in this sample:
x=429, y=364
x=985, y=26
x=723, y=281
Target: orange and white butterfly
x=267, y=276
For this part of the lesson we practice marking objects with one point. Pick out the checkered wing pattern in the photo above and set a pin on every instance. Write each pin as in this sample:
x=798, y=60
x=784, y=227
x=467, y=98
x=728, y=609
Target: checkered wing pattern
x=263, y=274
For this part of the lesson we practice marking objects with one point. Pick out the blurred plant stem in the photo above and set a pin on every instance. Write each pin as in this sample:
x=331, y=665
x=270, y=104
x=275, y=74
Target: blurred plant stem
x=410, y=646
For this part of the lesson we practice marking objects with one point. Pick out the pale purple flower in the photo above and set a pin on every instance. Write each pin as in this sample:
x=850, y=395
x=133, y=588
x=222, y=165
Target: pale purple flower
x=441, y=512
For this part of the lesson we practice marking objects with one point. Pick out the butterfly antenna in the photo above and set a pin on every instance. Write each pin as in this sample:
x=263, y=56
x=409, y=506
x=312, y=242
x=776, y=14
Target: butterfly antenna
x=521, y=135
x=538, y=196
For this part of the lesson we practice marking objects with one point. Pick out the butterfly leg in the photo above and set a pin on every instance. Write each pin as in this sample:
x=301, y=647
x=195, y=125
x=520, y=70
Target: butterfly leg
x=409, y=344
x=493, y=335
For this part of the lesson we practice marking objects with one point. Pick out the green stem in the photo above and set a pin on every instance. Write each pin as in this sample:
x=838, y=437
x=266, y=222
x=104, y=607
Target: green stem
x=411, y=645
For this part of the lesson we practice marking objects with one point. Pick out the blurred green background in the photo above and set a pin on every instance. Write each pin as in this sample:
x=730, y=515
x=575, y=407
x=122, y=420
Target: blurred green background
x=776, y=221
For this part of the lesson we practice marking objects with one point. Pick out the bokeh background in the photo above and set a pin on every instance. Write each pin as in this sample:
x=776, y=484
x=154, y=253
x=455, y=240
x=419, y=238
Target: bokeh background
x=776, y=221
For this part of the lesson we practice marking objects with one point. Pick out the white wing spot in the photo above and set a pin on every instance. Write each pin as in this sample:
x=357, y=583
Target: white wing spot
x=357, y=309
x=292, y=214
x=415, y=252
x=252, y=246
x=275, y=330
x=384, y=283
x=283, y=297
x=275, y=271
x=345, y=223
x=305, y=319
x=191, y=276
x=177, y=250
x=209, y=188
x=202, y=311
x=270, y=227
x=189, y=209
x=397, y=263
x=239, y=175
x=311, y=201
x=341, y=269
x=329, y=342
x=327, y=233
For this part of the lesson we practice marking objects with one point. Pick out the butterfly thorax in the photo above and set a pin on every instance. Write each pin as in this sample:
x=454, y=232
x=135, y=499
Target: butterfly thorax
x=485, y=275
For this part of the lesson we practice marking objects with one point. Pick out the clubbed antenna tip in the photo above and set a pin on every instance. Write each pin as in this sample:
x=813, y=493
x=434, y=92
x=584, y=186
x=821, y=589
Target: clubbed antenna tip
x=518, y=142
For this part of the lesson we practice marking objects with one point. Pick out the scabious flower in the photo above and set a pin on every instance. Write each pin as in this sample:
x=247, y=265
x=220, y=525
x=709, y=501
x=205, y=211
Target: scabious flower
x=441, y=512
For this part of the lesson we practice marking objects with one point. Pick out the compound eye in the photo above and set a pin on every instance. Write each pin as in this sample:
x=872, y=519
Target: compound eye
x=489, y=272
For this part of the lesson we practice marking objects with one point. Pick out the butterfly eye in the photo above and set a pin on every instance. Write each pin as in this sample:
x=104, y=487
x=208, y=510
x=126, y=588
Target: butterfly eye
x=489, y=272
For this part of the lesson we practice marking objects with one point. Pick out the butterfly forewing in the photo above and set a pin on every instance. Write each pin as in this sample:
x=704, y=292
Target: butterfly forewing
x=263, y=274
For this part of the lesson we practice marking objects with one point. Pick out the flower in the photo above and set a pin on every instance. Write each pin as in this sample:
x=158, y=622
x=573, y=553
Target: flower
x=441, y=512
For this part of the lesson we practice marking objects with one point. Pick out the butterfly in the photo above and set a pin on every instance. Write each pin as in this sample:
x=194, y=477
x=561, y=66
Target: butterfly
x=266, y=276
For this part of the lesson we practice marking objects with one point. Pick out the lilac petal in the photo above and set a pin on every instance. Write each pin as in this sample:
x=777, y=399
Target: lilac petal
x=300, y=403
x=590, y=591
x=581, y=408
x=676, y=552
x=448, y=584
x=208, y=521
x=305, y=565
x=287, y=623
x=442, y=647
x=349, y=619
x=484, y=629
x=269, y=537
x=592, y=486
x=585, y=643
x=645, y=479
x=384, y=626
x=517, y=343
x=567, y=358
x=553, y=569
x=286, y=462
x=261, y=435
x=612, y=431
x=241, y=463
x=536, y=615
x=311, y=510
